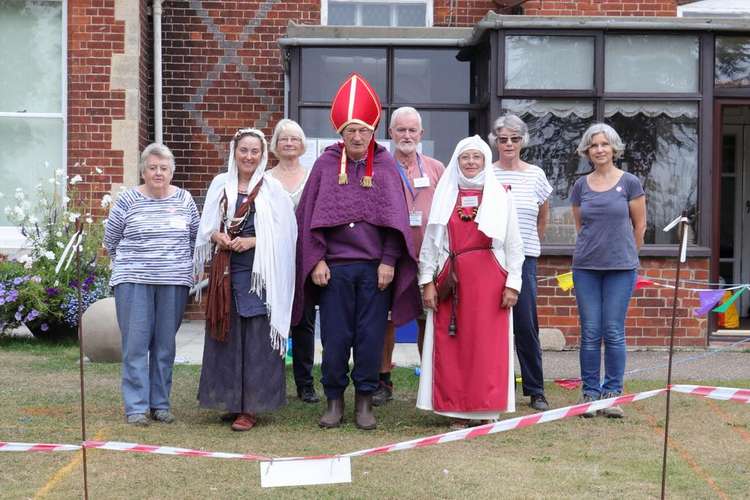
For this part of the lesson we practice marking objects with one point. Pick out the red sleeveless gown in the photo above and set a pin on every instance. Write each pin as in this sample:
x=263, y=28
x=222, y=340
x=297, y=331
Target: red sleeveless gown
x=470, y=368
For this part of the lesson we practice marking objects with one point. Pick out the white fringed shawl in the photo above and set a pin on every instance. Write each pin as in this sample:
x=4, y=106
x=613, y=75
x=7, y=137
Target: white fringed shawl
x=276, y=238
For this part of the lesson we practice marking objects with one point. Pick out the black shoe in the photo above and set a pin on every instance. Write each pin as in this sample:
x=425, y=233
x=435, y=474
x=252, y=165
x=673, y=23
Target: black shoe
x=308, y=394
x=539, y=402
x=382, y=394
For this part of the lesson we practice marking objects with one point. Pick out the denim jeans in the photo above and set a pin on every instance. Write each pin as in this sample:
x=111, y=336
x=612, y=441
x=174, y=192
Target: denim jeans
x=603, y=298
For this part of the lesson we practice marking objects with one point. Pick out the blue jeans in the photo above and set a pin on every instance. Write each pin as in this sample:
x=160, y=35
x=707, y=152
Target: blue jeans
x=603, y=298
x=148, y=316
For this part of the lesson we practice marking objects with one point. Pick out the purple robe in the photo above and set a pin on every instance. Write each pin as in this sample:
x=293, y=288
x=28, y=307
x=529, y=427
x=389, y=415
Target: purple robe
x=325, y=203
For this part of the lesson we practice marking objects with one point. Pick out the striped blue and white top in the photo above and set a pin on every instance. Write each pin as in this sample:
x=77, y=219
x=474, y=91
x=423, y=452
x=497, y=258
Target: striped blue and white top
x=151, y=240
x=529, y=189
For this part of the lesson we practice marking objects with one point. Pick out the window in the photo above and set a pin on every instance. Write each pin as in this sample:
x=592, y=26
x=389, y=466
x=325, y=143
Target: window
x=393, y=13
x=549, y=62
x=651, y=63
x=732, y=61
x=32, y=103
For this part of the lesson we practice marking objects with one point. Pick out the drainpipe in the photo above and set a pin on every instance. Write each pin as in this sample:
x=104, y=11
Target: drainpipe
x=158, y=135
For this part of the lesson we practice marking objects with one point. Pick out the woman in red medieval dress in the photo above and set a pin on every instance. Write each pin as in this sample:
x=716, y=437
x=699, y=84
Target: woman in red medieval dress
x=470, y=271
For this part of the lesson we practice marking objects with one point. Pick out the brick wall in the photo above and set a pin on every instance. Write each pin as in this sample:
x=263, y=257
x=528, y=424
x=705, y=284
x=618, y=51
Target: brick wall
x=93, y=36
x=600, y=8
x=222, y=71
x=650, y=313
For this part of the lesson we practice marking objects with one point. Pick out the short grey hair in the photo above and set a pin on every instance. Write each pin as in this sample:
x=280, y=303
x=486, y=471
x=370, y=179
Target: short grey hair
x=618, y=147
x=404, y=110
x=155, y=149
x=286, y=125
x=511, y=122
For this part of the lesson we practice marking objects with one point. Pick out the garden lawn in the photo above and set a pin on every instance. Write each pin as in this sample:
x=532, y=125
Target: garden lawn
x=581, y=458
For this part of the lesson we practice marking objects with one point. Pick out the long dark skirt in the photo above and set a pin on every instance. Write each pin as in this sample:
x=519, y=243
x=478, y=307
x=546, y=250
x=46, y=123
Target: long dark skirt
x=244, y=374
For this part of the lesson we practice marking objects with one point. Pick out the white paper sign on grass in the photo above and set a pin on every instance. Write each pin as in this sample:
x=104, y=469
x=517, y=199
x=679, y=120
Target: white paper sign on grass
x=302, y=472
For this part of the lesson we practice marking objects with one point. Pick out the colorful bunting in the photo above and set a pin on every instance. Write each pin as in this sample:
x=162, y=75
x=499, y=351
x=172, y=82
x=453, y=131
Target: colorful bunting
x=641, y=282
x=709, y=299
x=568, y=383
x=723, y=308
x=565, y=281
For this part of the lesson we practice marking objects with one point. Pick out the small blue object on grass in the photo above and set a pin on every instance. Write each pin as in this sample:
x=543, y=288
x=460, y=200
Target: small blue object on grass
x=288, y=358
x=417, y=371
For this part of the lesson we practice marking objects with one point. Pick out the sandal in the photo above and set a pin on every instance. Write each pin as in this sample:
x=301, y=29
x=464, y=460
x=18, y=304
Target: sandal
x=243, y=422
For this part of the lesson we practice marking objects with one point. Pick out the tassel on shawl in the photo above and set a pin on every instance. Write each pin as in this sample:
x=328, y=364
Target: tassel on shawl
x=343, y=177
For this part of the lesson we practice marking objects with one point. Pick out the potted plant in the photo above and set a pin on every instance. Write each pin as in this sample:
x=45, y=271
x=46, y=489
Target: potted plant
x=41, y=288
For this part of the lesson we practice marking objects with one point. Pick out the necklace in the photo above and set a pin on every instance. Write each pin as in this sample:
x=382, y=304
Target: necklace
x=467, y=217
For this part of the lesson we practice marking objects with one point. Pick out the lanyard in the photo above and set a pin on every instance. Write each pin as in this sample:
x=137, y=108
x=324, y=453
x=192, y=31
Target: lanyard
x=402, y=172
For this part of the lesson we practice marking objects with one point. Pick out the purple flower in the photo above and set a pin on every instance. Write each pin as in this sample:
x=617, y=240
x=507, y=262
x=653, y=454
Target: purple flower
x=12, y=296
x=34, y=314
x=18, y=316
x=45, y=327
x=74, y=283
x=53, y=292
x=17, y=281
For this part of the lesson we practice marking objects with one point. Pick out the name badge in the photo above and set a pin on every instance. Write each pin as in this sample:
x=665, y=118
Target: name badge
x=415, y=219
x=177, y=223
x=469, y=201
x=421, y=182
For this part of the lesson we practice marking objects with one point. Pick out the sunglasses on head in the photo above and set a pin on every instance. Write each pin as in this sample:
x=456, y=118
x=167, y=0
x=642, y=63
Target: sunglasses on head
x=514, y=139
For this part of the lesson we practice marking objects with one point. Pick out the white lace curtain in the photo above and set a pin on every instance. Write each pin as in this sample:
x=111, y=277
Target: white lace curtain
x=585, y=109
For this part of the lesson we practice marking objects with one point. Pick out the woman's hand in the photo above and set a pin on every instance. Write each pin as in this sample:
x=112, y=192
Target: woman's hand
x=385, y=276
x=429, y=296
x=240, y=245
x=321, y=274
x=510, y=297
x=222, y=240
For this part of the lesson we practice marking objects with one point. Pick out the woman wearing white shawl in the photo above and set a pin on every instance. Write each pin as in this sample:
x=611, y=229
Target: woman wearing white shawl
x=470, y=271
x=249, y=230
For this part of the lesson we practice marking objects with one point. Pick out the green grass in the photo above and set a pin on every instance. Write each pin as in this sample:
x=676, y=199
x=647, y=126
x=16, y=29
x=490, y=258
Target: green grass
x=574, y=458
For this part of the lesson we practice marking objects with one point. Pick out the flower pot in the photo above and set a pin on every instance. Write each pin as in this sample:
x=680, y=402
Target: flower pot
x=51, y=330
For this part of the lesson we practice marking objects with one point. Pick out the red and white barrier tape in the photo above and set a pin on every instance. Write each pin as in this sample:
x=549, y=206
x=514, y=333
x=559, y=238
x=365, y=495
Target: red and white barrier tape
x=720, y=393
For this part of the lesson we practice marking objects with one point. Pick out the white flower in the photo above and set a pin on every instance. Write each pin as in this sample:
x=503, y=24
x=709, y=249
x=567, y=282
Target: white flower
x=51, y=180
x=19, y=194
x=56, y=283
x=98, y=170
x=106, y=201
x=72, y=216
x=58, y=234
x=104, y=222
x=66, y=199
x=89, y=220
x=60, y=244
x=18, y=212
x=33, y=219
x=50, y=254
x=76, y=179
x=28, y=265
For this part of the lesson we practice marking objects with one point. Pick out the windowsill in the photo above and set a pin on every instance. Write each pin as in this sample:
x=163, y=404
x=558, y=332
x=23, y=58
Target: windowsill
x=646, y=251
x=11, y=241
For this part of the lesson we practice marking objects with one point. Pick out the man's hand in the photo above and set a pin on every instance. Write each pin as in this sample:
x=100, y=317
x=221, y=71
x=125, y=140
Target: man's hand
x=222, y=240
x=429, y=296
x=385, y=276
x=242, y=244
x=510, y=297
x=321, y=274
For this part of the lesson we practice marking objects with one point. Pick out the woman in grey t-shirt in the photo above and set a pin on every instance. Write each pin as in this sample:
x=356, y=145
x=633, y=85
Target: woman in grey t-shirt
x=609, y=208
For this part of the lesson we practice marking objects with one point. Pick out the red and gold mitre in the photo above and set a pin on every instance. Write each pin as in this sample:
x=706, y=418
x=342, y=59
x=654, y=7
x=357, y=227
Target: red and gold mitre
x=356, y=102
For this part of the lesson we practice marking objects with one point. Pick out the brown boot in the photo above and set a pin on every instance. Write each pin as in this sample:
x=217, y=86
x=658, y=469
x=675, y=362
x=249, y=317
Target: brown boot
x=364, y=418
x=334, y=414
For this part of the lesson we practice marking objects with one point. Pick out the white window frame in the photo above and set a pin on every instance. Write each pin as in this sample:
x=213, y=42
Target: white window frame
x=11, y=239
x=358, y=16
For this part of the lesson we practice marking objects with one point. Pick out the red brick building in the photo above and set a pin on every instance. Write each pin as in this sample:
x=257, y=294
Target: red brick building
x=229, y=64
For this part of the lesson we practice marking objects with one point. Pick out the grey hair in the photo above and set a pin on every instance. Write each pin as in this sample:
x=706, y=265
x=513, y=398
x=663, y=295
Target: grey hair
x=404, y=110
x=286, y=125
x=155, y=149
x=618, y=147
x=511, y=122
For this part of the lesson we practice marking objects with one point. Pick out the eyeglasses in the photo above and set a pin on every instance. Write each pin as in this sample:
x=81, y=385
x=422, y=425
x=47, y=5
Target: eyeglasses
x=291, y=139
x=514, y=139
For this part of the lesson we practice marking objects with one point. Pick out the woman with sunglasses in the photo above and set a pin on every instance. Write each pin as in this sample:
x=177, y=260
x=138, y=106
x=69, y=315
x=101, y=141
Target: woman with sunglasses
x=530, y=190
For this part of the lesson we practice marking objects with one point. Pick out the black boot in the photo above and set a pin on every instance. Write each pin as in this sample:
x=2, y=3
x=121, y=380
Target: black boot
x=334, y=414
x=364, y=418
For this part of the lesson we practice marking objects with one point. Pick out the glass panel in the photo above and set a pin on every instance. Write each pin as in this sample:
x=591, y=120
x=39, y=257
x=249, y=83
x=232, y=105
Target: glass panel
x=430, y=76
x=732, y=61
x=726, y=272
x=411, y=15
x=661, y=149
x=341, y=14
x=651, y=63
x=31, y=54
x=24, y=166
x=376, y=15
x=316, y=122
x=726, y=219
x=442, y=131
x=325, y=69
x=549, y=62
x=555, y=127
x=728, y=152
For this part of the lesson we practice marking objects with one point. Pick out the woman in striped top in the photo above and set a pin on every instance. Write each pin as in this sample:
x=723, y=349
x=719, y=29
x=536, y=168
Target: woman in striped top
x=530, y=190
x=150, y=235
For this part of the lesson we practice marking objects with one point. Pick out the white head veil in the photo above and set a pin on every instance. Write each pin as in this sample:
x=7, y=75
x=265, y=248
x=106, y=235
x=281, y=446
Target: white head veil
x=276, y=236
x=492, y=215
